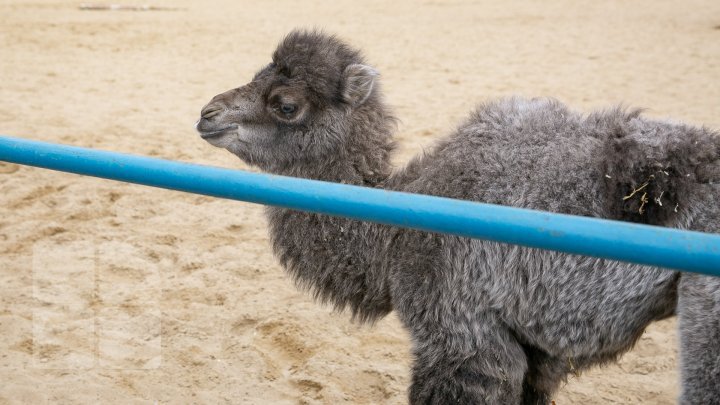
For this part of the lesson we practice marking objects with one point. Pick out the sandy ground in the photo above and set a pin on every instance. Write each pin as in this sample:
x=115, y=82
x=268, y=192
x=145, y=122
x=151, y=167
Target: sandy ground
x=114, y=293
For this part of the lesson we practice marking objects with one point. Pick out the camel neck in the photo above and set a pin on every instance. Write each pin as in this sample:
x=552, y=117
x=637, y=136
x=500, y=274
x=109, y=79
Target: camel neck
x=338, y=259
x=352, y=171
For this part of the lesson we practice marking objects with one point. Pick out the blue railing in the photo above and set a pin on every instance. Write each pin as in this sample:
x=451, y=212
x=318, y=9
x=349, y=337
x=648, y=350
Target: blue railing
x=650, y=245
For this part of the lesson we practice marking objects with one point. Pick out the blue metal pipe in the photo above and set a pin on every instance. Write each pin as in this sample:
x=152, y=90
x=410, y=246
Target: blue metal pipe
x=650, y=245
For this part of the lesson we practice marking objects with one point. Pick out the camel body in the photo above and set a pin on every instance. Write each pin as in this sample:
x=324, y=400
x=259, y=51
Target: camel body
x=490, y=322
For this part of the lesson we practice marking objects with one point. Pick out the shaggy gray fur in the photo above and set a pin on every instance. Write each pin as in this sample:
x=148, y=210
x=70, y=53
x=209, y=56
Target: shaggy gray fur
x=491, y=323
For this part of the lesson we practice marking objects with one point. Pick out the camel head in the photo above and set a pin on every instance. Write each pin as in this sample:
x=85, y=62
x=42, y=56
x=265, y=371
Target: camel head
x=296, y=109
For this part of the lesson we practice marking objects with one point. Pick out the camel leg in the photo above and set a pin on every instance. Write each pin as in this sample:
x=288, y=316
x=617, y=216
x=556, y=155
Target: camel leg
x=451, y=368
x=699, y=313
x=544, y=375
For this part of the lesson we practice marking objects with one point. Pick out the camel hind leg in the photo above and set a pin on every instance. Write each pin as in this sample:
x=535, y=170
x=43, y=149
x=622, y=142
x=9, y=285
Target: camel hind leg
x=699, y=313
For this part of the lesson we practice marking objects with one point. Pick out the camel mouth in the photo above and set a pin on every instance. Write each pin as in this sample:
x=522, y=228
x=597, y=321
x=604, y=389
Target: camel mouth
x=216, y=133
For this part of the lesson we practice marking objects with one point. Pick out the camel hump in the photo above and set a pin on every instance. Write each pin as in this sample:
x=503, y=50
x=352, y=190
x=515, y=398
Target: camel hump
x=655, y=170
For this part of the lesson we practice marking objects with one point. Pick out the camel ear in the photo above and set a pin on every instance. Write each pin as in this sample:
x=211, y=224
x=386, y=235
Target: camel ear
x=358, y=83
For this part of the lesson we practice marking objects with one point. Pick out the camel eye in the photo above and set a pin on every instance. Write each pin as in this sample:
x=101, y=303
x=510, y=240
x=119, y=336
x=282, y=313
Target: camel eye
x=287, y=108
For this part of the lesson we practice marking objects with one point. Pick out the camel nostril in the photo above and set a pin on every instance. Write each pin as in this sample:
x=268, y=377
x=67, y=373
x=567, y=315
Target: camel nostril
x=211, y=111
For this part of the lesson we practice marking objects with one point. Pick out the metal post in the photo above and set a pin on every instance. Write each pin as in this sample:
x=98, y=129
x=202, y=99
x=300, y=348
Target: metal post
x=650, y=245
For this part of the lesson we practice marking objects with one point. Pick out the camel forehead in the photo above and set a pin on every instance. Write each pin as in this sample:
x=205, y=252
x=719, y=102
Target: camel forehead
x=315, y=50
x=316, y=58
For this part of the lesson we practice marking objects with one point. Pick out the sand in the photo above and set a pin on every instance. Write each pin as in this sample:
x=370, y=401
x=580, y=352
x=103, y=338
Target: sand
x=115, y=293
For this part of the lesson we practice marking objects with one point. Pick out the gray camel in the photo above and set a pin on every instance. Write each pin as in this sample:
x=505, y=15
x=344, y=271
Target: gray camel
x=490, y=322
